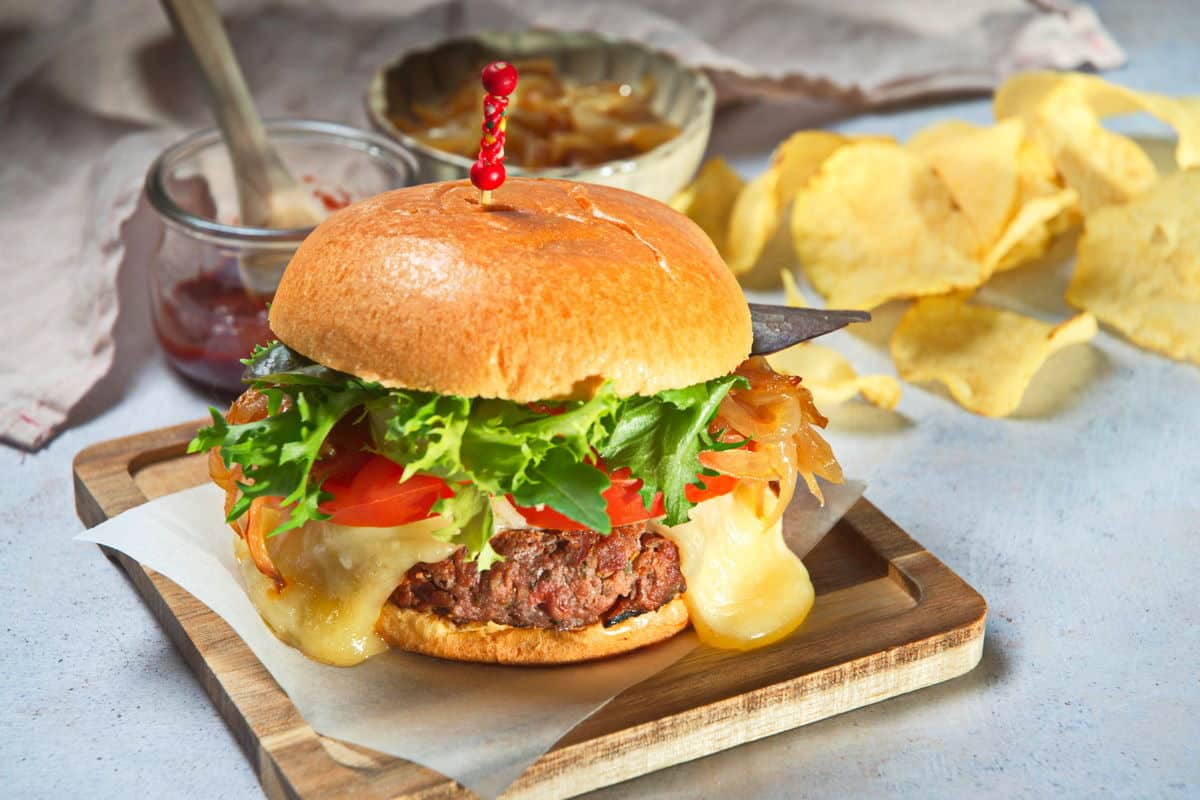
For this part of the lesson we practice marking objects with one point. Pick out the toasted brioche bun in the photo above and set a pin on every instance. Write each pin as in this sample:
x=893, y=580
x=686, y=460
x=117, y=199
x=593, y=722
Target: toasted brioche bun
x=554, y=290
x=432, y=635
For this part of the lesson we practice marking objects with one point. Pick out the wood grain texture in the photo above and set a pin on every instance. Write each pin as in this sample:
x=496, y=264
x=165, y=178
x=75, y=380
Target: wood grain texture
x=889, y=618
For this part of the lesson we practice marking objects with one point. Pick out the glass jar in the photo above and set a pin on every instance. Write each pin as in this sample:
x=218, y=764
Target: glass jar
x=211, y=278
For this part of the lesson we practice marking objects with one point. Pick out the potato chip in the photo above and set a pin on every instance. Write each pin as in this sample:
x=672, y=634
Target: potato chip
x=798, y=158
x=753, y=221
x=1105, y=168
x=1025, y=94
x=877, y=223
x=792, y=295
x=1139, y=267
x=1182, y=114
x=709, y=200
x=824, y=371
x=831, y=379
x=1004, y=182
x=1036, y=173
x=1039, y=184
x=984, y=356
x=981, y=167
x=1028, y=235
x=755, y=217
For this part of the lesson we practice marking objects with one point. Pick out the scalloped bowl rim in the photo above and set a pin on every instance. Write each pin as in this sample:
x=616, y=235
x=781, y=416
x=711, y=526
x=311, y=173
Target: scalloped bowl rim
x=697, y=126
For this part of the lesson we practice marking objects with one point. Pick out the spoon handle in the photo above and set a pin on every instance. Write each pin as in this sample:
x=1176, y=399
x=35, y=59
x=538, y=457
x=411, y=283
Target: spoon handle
x=259, y=171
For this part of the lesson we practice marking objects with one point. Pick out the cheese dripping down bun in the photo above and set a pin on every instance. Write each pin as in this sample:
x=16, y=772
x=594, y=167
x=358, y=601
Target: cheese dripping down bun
x=745, y=589
x=335, y=606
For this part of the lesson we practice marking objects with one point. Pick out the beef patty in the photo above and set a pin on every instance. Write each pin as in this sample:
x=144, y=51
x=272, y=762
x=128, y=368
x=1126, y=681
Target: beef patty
x=551, y=579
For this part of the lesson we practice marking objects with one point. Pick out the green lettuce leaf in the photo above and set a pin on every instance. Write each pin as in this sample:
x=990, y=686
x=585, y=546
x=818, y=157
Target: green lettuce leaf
x=276, y=364
x=482, y=447
x=660, y=439
x=277, y=453
x=421, y=430
x=572, y=488
x=502, y=447
x=469, y=523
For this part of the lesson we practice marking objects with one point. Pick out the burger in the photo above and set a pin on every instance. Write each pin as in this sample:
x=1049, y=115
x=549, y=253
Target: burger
x=527, y=433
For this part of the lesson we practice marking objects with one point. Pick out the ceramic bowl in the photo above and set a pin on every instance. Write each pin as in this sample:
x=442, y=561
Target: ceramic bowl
x=682, y=96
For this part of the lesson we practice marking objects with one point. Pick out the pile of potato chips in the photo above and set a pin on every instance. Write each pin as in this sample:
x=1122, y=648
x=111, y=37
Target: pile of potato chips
x=872, y=220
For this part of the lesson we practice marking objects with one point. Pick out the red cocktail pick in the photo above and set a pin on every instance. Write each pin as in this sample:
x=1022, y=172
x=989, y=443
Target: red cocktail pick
x=487, y=173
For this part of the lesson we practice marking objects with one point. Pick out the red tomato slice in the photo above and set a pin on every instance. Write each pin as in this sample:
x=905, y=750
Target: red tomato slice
x=714, y=486
x=625, y=505
x=547, y=517
x=376, y=498
x=346, y=448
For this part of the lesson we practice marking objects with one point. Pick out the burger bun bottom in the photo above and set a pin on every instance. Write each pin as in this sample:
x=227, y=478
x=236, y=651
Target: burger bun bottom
x=487, y=642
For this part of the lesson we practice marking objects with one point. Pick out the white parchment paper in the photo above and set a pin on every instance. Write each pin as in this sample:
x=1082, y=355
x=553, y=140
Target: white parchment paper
x=480, y=725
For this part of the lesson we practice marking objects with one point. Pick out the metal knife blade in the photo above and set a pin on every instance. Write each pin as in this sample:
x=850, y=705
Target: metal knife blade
x=779, y=327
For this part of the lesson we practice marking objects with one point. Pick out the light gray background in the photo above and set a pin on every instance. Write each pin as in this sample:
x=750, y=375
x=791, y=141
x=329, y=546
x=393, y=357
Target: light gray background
x=1077, y=521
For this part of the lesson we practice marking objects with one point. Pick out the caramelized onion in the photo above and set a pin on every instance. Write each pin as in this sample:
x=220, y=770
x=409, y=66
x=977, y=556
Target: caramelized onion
x=554, y=120
x=746, y=464
x=251, y=406
x=779, y=415
x=227, y=479
x=262, y=518
x=264, y=513
x=221, y=475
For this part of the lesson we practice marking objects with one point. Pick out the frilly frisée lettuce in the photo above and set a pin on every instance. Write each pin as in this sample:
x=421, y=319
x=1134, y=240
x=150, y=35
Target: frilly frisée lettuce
x=539, y=455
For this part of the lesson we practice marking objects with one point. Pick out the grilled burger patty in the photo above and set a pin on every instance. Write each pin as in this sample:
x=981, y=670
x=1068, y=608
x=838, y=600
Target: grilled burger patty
x=551, y=579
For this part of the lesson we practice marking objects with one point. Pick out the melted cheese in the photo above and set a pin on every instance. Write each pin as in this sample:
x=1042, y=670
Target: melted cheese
x=338, y=579
x=745, y=587
x=507, y=518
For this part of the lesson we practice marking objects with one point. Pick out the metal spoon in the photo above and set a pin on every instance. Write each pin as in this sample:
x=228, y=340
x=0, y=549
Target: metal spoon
x=268, y=195
x=779, y=327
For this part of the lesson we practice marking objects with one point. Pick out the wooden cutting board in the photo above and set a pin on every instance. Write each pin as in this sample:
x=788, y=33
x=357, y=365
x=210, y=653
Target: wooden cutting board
x=889, y=618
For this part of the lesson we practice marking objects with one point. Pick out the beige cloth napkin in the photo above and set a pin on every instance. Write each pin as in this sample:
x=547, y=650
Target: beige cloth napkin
x=91, y=91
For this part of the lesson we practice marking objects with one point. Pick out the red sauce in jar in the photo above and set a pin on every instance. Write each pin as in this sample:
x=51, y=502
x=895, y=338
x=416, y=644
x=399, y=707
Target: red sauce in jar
x=332, y=199
x=208, y=323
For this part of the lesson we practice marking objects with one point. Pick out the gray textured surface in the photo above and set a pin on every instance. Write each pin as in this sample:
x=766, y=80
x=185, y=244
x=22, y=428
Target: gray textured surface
x=1078, y=522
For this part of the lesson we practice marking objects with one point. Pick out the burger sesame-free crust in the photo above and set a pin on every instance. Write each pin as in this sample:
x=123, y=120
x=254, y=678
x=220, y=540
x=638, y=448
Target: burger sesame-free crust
x=554, y=290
